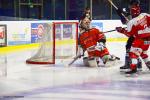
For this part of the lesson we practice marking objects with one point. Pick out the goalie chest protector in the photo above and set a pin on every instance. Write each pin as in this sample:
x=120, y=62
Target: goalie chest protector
x=90, y=38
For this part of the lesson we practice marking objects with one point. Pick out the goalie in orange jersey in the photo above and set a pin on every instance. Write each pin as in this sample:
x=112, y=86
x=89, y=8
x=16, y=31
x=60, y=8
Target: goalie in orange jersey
x=93, y=42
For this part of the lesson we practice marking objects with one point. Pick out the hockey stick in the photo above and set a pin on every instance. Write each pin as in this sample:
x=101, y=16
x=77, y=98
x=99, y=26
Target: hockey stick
x=113, y=4
x=112, y=30
x=74, y=59
x=109, y=31
x=110, y=1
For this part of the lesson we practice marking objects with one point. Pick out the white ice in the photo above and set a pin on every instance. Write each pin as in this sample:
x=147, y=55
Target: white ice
x=77, y=82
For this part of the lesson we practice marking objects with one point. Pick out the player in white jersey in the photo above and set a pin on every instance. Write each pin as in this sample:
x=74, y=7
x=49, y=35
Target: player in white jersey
x=138, y=27
x=126, y=66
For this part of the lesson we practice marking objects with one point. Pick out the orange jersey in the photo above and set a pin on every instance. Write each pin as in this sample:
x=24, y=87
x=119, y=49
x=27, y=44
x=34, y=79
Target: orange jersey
x=90, y=38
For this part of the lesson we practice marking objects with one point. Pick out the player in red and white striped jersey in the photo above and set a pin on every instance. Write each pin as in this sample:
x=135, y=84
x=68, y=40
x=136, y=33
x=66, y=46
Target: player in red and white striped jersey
x=139, y=28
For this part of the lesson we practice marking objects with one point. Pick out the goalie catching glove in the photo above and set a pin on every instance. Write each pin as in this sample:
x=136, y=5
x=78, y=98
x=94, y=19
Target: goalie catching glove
x=100, y=46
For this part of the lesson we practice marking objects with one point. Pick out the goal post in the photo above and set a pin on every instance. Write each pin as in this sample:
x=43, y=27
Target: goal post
x=66, y=38
x=59, y=41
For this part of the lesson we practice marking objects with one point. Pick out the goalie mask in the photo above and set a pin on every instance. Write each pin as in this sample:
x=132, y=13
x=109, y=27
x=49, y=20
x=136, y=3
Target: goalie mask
x=85, y=24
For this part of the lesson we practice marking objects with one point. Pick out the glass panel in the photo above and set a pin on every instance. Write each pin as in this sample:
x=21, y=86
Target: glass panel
x=48, y=9
x=120, y=4
x=6, y=7
x=75, y=9
x=59, y=9
x=145, y=5
x=125, y=4
x=30, y=12
x=24, y=1
x=31, y=1
x=101, y=9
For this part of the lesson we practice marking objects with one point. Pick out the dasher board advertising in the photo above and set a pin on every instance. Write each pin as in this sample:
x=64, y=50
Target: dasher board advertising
x=3, y=35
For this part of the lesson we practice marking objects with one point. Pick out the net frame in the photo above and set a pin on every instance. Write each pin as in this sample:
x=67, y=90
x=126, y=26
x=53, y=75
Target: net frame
x=76, y=37
x=54, y=43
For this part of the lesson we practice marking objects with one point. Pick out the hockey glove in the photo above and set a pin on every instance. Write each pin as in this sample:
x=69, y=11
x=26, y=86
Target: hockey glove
x=120, y=29
x=123, y=31
x=100, y=46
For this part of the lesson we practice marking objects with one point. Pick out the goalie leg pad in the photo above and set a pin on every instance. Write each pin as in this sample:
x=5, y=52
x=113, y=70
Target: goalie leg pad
x=105, y=58
x=86, y=61
x=92, y=62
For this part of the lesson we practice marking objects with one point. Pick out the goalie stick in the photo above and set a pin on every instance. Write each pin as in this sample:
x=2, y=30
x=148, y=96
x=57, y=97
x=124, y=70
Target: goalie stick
x=74, y=59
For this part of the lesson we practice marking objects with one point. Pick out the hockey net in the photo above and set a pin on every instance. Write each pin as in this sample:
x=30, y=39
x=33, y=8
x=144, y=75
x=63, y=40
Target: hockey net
x=59, y=41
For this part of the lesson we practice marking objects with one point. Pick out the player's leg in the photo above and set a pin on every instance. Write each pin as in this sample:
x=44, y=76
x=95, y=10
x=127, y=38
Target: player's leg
x=144, y=55
x=104, y=55
x=139, y=65
x=91, y=60
x=126, y=66
x=134, y=54
x=108, y=60
x=148, y=64
x=96, y=57
x=85, y=61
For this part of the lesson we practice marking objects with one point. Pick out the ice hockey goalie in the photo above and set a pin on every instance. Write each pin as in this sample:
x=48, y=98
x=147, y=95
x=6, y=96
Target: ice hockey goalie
x=92, y=41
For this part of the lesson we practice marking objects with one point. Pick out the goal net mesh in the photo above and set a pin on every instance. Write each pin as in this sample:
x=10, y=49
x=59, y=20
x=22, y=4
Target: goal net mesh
x=46, y=44
x=59, y=41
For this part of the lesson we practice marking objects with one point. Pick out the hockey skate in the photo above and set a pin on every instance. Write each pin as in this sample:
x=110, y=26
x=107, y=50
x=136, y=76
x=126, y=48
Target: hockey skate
x=125, y=68
x=132, y=73
x=139, y=66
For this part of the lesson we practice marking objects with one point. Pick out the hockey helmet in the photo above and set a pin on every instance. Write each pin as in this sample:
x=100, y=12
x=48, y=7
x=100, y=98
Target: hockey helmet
x=85, y=23
x=134, y=2
x=135, y=10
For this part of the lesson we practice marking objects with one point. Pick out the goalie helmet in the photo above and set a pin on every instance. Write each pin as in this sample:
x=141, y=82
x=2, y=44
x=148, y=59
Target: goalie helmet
x=85, y=24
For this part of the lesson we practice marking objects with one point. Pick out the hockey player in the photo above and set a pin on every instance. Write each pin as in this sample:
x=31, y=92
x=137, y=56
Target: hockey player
x=124, y=20
x=138, y=27
x=93, y=41
x=87, y=14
